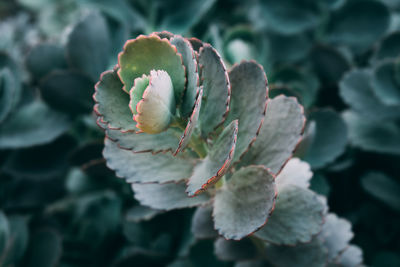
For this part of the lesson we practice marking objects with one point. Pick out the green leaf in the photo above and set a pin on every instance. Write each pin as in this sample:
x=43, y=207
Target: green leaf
x=231, y=250
x=289, y=16
x=297, y=217
x=382, y=188
x=141, y=213
x=281, y=131
x=356, y=91
x=44, y=58
x=146, y=53
x=193, y=81
x=358, y=24
x=384, y=84
x=8, y=93
x=248, y=103
x=388, y=48
x=145, y=167
x=216, y=90
x=167, y=196
x=245, y=202
x=4, y=233
x=18, y=240
x=288, y=48
x=382, y=137
x=44, y=250
x=157, y=108
x=295, y=172
x=203, y=224
x=217, y=162
x=320, y=185
x=252, y=263
x=89, y=45
x=139, y=86
x=351, y=257
x=329, y=139
x=32, y=124
x=67, y=91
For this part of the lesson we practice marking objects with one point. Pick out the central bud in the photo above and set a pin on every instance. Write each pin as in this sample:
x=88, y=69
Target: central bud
x=152, y=102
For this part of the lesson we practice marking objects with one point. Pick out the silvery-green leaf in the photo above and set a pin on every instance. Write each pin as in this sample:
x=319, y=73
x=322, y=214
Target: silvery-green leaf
x=384, y=83
x=295, y=172
x=140, y=213
x=167, y=196
x=351, y=257
x=17, y=242
x=203, y=224
x=297, y=217
x=8, y=93
x=236, y=217
x=136, y=93
x=389, y=47
x=146, y=167
x=232, y=250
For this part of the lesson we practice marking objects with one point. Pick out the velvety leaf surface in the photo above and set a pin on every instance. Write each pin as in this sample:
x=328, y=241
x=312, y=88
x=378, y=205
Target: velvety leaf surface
x=166, y=196
x=383, y=188
x=295, y=172
x=145, y=167
x=217, y=162
x=146, y=53
x=68, y=91
x=329, y=140
x=216, y=90
x=232, y=250
x=351, y=257
x=356, y=91
x=203, y=224
x=372, y=135
x=248, y=102
x=89, y=45
x=189, y=61
x=44, y=58
x=359, y=24
x=384, y=83
x=297, y=217
x=141, y=213
x=32, y=124
x=279, y=135
x=244, y=203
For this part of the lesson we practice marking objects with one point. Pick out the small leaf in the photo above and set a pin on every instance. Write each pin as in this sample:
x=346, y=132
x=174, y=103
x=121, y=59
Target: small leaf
x=4, y=232
x=8, y=93
x=384, y=84
x=166, y=196
x=281, y=131
x=217, y=162
x=157, y=107
x=146, y=53
x=295, y=172
x=32, y=124
x=136, y=93
x=18, y=240
x=203, y=224
x=297, y=217
x=141, y=213
x=231, y=250
x=216, y=90
x=248, y=102
x=351, y=257
x=145, y=167
x=382, y=188
x=236, y=217
x=89, y=45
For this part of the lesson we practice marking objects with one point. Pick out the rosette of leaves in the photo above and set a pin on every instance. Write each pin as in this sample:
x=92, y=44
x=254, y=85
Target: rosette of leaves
x=182, y=130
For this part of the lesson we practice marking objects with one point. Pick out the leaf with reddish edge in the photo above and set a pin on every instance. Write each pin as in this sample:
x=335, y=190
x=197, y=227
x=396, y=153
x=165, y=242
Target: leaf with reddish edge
x=146, y=53
x=167, y=196
x=217, y=90
x=189, y=60
x=217, y=162
x=140, y=84
x=245, y=202
x=248, y=103
x=203, y=224
x=190, y=125
x=279, y=135
x=196, y=43
x=112, y=103
x=297, y=217
x=165, y=34
x=295, y=172
x=145, y=167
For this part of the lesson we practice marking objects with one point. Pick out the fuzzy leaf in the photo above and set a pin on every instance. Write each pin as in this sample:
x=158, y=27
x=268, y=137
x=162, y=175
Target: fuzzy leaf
x=216, y=90
x=248, y=102
x=297, y=217
x=203, y=224
x=157, y=108
x=295, y=172
x=384, y=84
x=189, y=61
x=244, y=203
x=351, y=257
x=146, y=53
x=166, y=196
x=145, y=167
x=89, y=45
x=279, y=135
x=231, y=250
x=217, y=162
x=32, y=124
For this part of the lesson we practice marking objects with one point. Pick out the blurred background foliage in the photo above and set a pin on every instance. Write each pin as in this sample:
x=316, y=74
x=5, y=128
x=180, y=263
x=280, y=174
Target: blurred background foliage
x=61, y=206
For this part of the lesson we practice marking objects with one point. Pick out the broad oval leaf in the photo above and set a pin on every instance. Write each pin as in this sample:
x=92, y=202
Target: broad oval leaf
x=203, y=224
x=236, y=217
x=8, y=93
x=217, y=162
x=295, y=172
x=389, y=47
x=384, y=84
